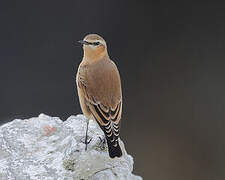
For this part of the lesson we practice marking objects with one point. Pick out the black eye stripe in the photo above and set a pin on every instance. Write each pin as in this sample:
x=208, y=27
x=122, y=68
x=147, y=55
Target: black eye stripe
x=94, y=43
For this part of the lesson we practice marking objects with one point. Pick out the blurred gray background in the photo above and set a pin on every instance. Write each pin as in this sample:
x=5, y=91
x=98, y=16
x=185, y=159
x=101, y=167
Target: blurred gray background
x=171, y=57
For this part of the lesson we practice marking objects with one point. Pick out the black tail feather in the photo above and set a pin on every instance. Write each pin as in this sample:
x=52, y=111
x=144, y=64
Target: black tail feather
x=112, y=141
x=113, y=148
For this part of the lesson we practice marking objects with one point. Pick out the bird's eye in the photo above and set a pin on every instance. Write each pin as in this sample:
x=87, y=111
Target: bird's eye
x=96, y=43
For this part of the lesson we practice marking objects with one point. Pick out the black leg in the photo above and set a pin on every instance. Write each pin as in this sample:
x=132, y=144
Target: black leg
x=86, y=137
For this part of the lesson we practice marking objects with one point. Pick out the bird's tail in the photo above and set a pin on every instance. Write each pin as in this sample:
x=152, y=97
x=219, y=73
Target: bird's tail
x=113, y=147
x=112, y=141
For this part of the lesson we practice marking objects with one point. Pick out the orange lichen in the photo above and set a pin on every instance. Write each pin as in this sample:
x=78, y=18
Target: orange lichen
x=48, y=130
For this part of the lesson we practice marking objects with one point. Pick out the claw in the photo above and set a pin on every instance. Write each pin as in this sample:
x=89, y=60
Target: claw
x=102, y=143
x=83, y=140
x=89, y=141
x=102, y=139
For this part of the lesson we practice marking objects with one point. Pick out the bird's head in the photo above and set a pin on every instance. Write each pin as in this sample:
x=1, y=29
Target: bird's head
x=94, y=47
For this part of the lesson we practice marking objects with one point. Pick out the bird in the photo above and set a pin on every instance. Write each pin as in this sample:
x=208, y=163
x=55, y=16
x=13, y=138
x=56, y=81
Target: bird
x=99, y=91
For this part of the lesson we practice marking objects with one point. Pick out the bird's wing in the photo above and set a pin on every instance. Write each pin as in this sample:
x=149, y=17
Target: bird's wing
x=101, y=87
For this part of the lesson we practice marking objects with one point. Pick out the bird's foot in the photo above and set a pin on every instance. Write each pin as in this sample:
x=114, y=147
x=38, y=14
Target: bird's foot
x=86, y=140
x=102, y=143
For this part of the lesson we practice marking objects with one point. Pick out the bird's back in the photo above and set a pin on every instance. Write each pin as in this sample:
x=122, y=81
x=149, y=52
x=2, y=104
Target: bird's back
x=103, y=82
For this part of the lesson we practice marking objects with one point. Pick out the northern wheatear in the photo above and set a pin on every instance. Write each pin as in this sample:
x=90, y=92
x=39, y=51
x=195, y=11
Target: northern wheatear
x=99, y=90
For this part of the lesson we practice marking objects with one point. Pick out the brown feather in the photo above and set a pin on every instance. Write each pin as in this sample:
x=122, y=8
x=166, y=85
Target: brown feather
x=100, y=84
x=100, y=94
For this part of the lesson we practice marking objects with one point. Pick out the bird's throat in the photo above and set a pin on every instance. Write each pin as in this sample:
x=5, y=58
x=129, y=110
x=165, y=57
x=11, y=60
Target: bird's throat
x=94, y=55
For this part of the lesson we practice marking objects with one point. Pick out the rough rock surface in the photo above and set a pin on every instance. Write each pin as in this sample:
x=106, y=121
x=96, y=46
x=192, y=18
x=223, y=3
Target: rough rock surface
x=46, y=148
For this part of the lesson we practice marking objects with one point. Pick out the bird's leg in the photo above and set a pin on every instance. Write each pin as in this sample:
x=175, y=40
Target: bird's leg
x=86, y=136
x=86, y=140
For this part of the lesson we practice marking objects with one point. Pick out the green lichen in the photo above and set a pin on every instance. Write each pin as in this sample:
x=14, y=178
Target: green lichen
x=69, y=165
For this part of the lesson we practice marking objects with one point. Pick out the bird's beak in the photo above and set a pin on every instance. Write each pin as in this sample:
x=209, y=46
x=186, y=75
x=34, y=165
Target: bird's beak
x=83, y=42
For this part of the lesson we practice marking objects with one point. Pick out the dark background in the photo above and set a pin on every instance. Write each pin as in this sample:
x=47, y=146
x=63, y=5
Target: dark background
x=171, y=57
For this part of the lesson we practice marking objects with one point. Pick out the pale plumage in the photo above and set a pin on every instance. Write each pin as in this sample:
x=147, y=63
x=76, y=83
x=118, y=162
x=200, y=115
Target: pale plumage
x=99, y=90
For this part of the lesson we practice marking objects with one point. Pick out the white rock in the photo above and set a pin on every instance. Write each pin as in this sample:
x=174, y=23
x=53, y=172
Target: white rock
x=46, y=148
